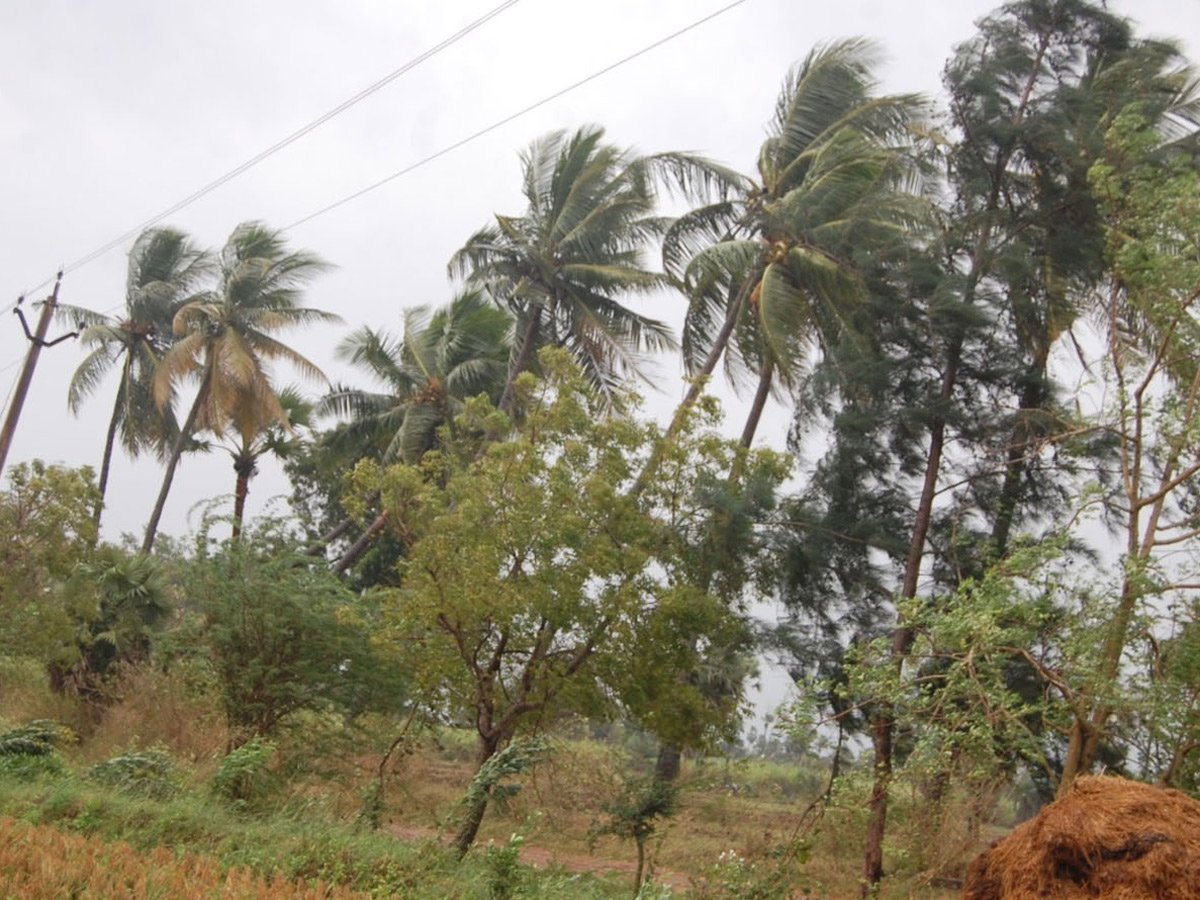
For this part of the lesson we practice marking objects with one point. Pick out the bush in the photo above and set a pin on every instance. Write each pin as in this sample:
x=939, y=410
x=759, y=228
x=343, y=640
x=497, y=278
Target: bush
x=244, y=776
x=142, y=773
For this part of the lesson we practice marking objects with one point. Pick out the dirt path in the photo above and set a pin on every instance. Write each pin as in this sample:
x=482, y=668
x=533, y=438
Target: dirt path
x=543, y=857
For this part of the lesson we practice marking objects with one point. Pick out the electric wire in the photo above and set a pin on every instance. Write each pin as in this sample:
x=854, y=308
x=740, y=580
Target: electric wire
x=419, y=163
x=501, y=122
x=283, y=142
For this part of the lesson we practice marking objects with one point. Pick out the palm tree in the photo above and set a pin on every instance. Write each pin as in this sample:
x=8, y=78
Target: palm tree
x=255, y=438
x=225, y=340
x=564, y=264
x=459, y=351
x=164, y=265
x=442, y=358
x=773, y=270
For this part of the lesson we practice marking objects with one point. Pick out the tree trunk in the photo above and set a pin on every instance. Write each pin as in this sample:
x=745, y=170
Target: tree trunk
x=668, y=764
x=360, y=546
x=185, y=433
x=110, y=441
x=239, y=498
x=701, y=377
x=473, y=816
x=522, y=361
x=766, y=377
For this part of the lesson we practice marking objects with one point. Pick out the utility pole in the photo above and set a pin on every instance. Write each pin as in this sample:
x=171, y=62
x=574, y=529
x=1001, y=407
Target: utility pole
x=37, y=341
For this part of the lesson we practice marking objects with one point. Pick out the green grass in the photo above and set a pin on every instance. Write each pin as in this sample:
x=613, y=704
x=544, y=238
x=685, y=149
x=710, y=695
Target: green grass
x=296, y=843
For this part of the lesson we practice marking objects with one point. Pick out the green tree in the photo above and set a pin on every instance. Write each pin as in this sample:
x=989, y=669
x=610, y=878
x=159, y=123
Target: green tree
x=441, y=358
x=115, y=600
x=255, y=438
x=164, y=265
x=776, y=268
x=282, y=634
x=225, y=339
x=459, y=351
x=1151, y=207
x=534, y=580
x=564, y=265
x=46, y=531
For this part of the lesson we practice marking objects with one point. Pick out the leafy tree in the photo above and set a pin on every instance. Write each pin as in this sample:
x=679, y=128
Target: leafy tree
x=255, y=439
x=282, y=634
x=534, y=580
x=164, y=265
x=457, y=352
x=226, y=340
x=442, y=358
x=46, y=531
x=1151, y=207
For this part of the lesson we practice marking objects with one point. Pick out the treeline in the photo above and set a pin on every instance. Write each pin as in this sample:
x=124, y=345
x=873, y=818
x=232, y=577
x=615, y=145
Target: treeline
x=982, y=315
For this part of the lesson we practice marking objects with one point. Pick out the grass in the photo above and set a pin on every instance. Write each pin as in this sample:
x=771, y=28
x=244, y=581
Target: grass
x=734, y=828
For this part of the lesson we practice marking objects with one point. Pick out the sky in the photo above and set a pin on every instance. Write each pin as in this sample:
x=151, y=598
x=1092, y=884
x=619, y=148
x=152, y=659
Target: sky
x=111, y=113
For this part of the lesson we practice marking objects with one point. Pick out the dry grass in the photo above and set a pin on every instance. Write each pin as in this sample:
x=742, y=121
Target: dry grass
x=1108, y=837
x=41, y=863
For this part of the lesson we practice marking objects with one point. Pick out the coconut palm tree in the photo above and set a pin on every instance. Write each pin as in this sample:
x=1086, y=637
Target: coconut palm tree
x=459, y=351
x=252, y=438
x=164, y=265
x=225, y=340
x=563, y=266
x=441, y=358
x=774, y=269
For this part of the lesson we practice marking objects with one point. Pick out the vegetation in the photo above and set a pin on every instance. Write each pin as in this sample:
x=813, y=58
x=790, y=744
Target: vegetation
x=497, y=573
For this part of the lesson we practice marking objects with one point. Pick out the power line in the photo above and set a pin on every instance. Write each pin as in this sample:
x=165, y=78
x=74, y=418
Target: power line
x=481, y=132
x=284, y=142
x=421, y=162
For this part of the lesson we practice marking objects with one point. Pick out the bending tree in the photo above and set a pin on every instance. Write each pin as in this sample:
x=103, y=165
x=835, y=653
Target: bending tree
x=226, y=340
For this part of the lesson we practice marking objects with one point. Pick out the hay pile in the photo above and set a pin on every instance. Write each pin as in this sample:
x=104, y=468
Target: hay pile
x=1108, y=838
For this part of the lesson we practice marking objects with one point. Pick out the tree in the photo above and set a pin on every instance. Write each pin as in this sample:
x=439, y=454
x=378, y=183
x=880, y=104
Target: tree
x=46, y=531
x=1014, y=247
x=226, y=341
x=282, y=634
x=255, y=439
x=441, y=359
x=563, y=266
x=1151, y=206
x=535, y=581
x=777, y=268
x=115, y=600
x=164, y=265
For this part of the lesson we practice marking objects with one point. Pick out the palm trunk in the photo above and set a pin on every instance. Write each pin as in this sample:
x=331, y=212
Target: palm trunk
x=110, y=442
x=766, y=377
x=185, y=433
x=522, y=361
x=359, y=547
x=701, y=378
x=239, y=499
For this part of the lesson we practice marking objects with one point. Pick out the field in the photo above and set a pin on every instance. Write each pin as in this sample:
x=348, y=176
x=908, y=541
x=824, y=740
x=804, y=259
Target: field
x=301, y=812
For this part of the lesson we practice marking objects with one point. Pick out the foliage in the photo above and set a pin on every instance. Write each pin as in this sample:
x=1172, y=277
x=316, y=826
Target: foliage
x=244, y=775
x=145, y=773
x=517, y=758
x=46, y=530
x=117, y=600
x=282, y=634
x=226, y=339
x=635, y=814
x=563, y=266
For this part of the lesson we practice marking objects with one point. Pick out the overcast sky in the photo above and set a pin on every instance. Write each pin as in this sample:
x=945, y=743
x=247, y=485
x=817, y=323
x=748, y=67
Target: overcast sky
x=111, y=112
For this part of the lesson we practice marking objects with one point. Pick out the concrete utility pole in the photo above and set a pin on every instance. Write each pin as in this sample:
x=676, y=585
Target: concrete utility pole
x=37, y=341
